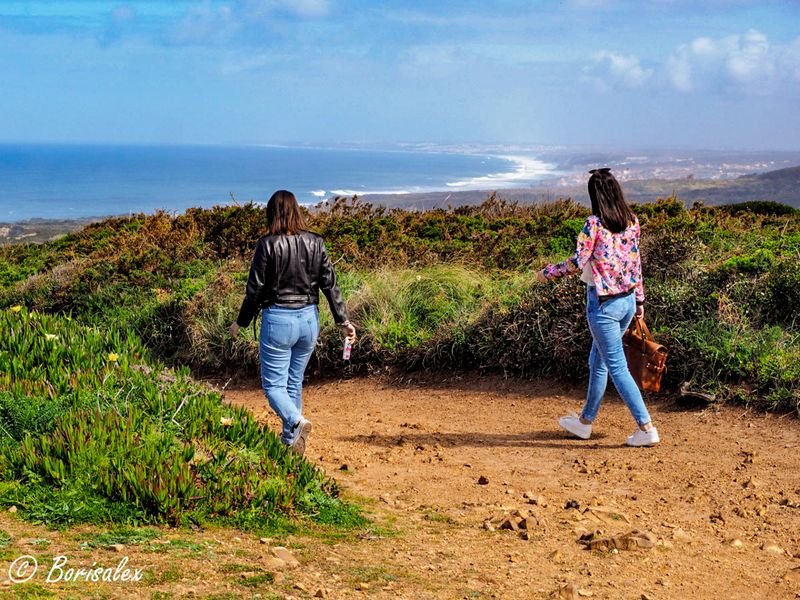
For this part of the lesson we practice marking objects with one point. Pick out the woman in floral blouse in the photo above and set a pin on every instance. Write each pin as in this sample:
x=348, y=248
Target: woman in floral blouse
x=608, y=257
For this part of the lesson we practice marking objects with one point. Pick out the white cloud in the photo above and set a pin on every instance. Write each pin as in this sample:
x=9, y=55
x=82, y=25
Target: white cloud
x=307, y=9
x=746, y=62
x=612, y=70
x=206, y=22
x=789, y=61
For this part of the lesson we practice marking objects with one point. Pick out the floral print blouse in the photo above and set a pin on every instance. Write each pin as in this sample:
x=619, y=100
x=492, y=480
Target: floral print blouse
x=614, y=258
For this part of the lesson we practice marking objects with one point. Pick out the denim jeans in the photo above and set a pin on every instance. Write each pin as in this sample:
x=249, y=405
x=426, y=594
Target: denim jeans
x=288, y=337
x=607, y=322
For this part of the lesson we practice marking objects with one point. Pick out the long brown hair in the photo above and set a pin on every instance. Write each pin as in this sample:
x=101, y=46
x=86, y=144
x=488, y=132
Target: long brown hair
x=608, y=202
x=283, y=215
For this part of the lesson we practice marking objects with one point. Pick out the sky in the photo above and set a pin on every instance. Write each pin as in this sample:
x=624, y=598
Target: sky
x=634, y=74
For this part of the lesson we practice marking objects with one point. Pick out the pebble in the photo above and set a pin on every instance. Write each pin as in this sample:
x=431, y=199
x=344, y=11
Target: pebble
x=13, y=509
x=483, y=480
x=287, y=557
x=116, y=547
x=772, y=548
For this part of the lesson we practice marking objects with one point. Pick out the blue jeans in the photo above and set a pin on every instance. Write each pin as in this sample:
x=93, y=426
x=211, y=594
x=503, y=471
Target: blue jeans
x=607, y=322
x=288, y=337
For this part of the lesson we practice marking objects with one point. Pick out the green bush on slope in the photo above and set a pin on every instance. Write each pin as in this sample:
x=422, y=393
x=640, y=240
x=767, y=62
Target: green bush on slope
x=91, y=429
x=177, y=283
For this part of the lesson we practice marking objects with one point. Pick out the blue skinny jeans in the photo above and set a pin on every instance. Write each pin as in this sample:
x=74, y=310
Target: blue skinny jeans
x=288, y=337
x=607, y=322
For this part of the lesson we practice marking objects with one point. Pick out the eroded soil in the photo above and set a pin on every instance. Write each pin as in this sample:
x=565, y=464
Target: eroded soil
x=720, y=496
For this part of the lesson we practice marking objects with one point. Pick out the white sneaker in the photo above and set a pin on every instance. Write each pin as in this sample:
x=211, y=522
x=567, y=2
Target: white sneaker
x=572, y=423
x=301, y=431
x=644, y=438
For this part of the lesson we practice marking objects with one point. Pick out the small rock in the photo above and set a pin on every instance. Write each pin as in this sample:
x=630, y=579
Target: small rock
x=13, y=509
x=483, y=480
x=286, y=556
x=572, y=504
x=566, y=592
x=271, y=563
x=736, y=543
x=679, y=535
x=344, y=467
x=636, y=538
x=115, y=547
x=555, y=556
x=265, y=540
x=487, y=525
x=510, y=523
x=585, y=593
x=362, y=586
x=646, y=597
x=320, y=593
x=300, y=587
x=772, y=548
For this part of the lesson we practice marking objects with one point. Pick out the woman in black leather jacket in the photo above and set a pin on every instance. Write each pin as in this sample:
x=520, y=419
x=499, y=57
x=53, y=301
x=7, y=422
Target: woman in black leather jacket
x=290, y=267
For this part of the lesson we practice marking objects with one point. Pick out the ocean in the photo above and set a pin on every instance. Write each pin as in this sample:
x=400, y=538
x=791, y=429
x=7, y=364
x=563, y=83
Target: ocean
x=71, y=181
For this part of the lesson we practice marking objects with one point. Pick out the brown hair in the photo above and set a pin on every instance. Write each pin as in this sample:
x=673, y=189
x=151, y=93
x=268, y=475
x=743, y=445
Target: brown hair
x=283, y=215
x=608, y=202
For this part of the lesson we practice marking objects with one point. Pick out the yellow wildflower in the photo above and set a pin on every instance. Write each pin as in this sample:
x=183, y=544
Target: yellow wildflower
x=50, y=337
x=16, y=309
x=112, y=357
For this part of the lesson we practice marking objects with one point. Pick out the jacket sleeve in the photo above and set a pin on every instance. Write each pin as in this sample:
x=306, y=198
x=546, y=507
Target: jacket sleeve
x=331, y=290
x=255, y=286
x=638, y=259
x=583, y=252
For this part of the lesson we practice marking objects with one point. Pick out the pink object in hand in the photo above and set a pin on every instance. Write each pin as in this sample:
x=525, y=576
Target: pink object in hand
x=348, y=345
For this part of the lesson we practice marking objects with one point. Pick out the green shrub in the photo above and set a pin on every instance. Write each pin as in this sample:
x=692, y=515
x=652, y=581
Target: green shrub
x=95, y=430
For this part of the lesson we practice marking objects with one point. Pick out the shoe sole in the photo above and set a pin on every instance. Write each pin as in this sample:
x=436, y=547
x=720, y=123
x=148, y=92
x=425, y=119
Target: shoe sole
x=299, y=444
x=647, y=445
x=577, y=435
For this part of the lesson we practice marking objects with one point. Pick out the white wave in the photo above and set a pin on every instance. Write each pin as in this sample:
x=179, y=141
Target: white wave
x=318, y=193
x=368, y=193
x=527, y=169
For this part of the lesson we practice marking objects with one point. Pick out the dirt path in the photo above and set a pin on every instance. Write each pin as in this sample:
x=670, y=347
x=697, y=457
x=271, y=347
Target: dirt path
x=419, y=448
x=414, y=452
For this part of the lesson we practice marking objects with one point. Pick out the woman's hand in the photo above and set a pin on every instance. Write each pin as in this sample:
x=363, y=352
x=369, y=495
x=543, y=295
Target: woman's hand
x=540, y=276
x=349, y=331
x=639, y=314
x=234, y=329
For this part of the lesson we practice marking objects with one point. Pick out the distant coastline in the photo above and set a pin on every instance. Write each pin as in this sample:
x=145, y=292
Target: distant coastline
x=781, y=185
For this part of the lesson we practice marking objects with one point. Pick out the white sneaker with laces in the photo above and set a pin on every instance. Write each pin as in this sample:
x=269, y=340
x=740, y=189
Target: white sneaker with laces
x=644, y=438
x=572, y=423
x=301, y=431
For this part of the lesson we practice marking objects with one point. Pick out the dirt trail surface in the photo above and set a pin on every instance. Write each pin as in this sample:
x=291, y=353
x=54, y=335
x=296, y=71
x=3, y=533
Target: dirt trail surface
x=715, y=509
x=718, y=499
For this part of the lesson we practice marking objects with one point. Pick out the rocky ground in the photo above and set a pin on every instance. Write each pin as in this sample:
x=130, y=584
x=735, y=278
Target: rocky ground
x=475, y=493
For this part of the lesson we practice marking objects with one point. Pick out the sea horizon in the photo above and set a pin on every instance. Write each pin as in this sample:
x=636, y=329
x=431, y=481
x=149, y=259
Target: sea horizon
x=79, y=180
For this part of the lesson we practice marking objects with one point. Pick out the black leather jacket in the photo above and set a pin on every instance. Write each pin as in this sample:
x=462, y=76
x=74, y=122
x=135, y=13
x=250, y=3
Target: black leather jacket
x=290, y=270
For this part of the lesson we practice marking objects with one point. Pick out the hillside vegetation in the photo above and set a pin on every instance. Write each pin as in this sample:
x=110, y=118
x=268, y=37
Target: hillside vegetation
x=444, y=289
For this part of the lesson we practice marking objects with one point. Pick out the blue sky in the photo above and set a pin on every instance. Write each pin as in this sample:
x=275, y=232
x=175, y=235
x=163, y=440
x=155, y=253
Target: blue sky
x=660, y=73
